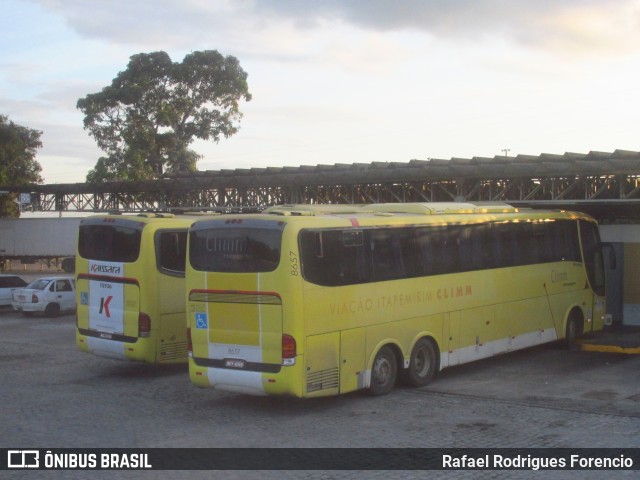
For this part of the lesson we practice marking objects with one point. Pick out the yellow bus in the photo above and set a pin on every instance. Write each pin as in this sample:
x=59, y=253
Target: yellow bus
x=306, y=301
x=130, y=287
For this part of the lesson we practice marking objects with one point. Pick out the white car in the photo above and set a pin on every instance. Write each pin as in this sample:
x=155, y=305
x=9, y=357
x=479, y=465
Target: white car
x=8, y=283
x=50, y=295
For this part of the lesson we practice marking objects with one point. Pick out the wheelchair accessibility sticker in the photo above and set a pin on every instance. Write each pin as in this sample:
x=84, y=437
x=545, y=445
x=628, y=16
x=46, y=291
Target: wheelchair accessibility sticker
x=201, y=320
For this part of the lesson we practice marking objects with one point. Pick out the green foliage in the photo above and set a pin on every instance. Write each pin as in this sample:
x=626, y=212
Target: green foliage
x=150, y=114
x=18, y=165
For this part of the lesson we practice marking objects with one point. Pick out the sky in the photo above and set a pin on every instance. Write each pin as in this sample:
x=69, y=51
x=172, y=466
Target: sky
x=340, y=81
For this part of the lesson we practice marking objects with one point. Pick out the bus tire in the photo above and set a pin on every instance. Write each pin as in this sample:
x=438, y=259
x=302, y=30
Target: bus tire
x=575, y=329
x=422, y=365
x=52, y=310
x=383, y=372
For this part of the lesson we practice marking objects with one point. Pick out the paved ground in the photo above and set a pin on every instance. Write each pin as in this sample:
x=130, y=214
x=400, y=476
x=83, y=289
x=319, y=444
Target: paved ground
x=55, y=396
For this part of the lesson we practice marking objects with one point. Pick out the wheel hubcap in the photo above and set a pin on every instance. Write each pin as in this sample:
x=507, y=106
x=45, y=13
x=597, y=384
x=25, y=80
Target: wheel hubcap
x=383, y=371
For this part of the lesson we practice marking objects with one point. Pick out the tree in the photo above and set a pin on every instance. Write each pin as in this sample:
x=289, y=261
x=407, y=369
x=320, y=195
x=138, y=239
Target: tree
x=150, y=114
x=18, y=165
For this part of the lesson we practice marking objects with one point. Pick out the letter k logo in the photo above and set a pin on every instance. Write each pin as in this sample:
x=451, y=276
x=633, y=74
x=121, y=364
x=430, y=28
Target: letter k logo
x=104, y=306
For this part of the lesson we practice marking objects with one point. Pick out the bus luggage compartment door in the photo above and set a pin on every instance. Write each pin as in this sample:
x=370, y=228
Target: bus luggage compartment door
x=352, y=359
x=322, y=370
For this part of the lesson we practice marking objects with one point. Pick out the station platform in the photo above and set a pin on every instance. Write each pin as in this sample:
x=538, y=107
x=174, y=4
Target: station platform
x=613, y=339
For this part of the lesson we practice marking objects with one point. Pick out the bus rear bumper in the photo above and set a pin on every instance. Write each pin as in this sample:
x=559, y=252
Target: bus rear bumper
x=105, y=348
x=244, y=381
x=229, y=380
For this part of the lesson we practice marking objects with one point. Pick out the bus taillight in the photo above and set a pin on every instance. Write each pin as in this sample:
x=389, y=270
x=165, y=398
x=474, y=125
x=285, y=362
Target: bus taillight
x=144, y=325
x=289, y=350
x=189, y=341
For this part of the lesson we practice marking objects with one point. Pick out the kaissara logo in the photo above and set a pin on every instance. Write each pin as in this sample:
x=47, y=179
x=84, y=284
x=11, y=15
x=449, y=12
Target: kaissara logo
x=95, y=268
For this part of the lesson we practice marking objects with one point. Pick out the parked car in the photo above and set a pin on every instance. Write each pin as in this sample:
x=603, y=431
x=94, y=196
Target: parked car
x=50, y=295
x=8, y=283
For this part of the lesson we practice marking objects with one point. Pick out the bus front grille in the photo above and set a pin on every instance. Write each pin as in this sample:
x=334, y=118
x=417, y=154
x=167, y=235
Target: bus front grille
x=323, y=380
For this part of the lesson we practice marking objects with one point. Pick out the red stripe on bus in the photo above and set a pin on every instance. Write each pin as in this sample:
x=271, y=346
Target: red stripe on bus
x=236, y=292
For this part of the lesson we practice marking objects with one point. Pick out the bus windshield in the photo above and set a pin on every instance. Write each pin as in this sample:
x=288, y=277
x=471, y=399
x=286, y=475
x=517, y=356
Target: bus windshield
x=236, y=248
x=109, y=243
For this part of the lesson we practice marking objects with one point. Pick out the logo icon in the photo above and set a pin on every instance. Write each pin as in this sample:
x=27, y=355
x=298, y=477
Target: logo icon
x=201, y=320
x=23, y=458
x=104, y=306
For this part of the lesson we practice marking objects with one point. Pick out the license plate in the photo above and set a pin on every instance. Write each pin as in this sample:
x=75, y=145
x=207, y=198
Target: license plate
x=234, y=363
x=108, y=336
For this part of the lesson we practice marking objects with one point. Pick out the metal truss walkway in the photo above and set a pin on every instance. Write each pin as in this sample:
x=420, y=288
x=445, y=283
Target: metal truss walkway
x=521, y=179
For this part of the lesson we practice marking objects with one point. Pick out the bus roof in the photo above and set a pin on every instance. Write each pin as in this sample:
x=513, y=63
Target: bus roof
x=426, y=208
x=393, y=214
x=145, y=218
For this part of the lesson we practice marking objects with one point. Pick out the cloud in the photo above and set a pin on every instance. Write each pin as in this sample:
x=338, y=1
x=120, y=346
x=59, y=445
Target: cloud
x=153, y=24
x=545, y=24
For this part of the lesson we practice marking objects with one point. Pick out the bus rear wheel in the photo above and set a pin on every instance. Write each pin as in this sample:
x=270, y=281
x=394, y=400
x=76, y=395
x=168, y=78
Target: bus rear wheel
x=384, y=372
x=422, y=365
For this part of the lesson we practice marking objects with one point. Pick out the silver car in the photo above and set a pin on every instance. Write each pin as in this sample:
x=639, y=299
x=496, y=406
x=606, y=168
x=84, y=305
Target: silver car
x=8, y=283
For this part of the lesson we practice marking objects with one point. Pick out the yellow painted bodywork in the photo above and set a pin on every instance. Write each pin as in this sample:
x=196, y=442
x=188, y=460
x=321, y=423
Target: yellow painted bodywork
x=339, y=330
x=147, y=290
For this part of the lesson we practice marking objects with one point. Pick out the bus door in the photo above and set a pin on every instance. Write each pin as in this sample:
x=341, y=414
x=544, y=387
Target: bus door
x=594, y=263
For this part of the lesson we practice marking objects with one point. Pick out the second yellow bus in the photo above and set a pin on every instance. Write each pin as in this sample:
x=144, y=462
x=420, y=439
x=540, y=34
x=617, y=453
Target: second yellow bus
x=306, y=302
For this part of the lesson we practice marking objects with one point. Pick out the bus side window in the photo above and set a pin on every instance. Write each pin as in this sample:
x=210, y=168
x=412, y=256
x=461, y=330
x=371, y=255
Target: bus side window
x=333, y=257
x=172, y=251
x=437, y=249
x=540, y=239
x=571, y=251
x=386, y=254
x=482, y=254
x=504, y=244
x=451, y=249
x=353, y=262
x=465, y=248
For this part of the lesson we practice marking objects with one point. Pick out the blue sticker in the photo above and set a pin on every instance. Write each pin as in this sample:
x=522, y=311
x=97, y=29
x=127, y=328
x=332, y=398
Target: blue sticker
x=201, y=320
x=84, y=298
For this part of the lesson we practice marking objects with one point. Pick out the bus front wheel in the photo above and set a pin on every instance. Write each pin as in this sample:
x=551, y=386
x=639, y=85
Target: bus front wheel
x=575, y=327
x=422, y=366
x=383, y=372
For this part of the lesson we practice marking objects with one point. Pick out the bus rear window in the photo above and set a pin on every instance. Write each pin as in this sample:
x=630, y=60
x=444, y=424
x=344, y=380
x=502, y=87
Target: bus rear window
x=109, y=243
x=235, y=249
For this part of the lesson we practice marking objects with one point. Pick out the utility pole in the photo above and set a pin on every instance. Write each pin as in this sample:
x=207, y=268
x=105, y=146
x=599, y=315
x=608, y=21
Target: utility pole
x=506, y=151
